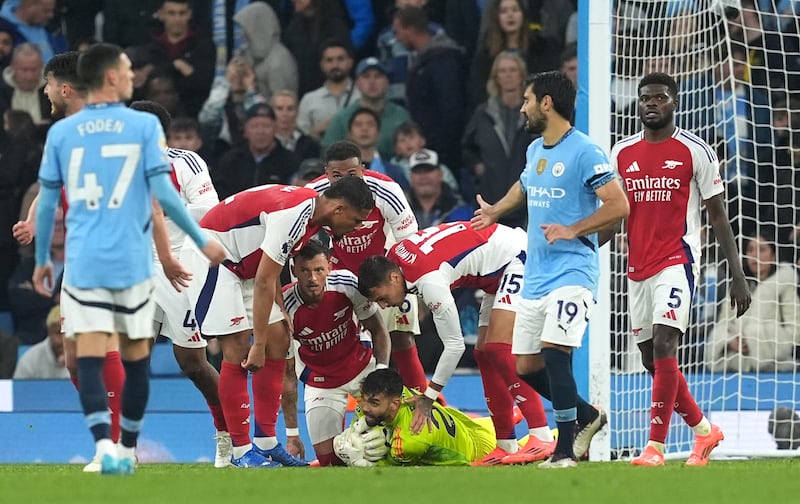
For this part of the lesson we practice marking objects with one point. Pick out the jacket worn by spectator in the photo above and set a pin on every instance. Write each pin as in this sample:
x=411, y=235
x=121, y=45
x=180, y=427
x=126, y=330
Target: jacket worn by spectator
x=238, y=170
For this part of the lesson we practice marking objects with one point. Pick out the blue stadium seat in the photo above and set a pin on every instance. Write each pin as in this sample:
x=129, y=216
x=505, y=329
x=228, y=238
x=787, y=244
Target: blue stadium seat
x=21, y=349
x=163, y=363
x=6, y=322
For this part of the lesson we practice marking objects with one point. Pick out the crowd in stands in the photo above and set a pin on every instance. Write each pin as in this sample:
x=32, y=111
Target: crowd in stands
x=430, y=90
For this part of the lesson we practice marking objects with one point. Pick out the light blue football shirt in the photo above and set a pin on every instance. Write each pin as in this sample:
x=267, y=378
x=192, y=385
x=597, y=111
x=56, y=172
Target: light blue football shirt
x=559, y=183
x=103, y=156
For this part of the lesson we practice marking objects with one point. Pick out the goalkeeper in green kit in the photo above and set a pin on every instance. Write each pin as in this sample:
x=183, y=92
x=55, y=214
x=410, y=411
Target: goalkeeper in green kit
x=452, y=439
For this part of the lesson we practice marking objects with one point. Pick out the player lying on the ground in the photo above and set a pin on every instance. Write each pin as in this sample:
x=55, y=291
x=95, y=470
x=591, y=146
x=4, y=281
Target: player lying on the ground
x=381, y=432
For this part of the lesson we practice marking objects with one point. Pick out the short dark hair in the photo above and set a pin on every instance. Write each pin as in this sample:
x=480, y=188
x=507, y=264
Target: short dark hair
x=412, y=17
x=156, y=109
x=374, y=271
x=331, y=42
x=570, y=52
x=341, y=150
x=353, y=191
x=383, y=381
x=407, y=128
x=95, y=61
x=659, y=78
x=181, y=124
x=64, y=68
x=556, y=85
x=361, y=111
x=312, y=249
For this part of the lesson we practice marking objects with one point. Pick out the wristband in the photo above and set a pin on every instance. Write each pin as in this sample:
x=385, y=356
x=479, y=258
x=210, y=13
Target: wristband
x=431, y=393
x=292, y=432
x=381, y=365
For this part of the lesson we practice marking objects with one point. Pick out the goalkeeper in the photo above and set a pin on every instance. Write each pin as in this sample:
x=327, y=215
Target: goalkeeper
x=453, y=438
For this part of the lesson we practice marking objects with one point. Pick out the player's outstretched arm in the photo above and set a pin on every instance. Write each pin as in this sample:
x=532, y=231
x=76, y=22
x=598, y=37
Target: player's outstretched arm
x=613, y=208
x=24, y=230
x=168, y=198
x=487, y=214
x=718, y=217
x=45, y=217
x=178, y=277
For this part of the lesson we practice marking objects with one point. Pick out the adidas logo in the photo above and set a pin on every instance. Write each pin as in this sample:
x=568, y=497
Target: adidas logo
x=307, y=331
x=656, y=420
x=670, y=315
x=402, y=319
x=195, y=337
x=505, y=299
x=634, y=167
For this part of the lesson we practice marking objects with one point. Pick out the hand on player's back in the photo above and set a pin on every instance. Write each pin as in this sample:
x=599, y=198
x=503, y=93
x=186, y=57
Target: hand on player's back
x=422, y=413
x=215, y=253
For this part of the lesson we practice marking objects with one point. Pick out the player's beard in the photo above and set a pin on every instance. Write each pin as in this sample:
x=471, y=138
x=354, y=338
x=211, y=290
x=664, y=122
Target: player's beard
x=535, y=125
x=372, y=421
x=659, y=122
x=57, y=111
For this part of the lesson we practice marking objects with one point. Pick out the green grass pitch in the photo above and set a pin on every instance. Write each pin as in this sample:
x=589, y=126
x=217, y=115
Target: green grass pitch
x=726, y=482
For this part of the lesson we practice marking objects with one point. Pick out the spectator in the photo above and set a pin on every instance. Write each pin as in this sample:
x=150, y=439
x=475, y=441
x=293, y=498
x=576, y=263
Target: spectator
x=28, y=307
x=569, y=62
x=309, y=170
x=223, y=113
x=764, y=338
x=408, y=139
x=463, y=23
x=184, y=133
x=28, y=19
x=6, y=45
x=396, y=58
x=8, y=354
x=227, y=35
x=495, y=140
x=273, y=64
x=431, y=199
x=22, y=83
x=508, y=27
x=19, y=125
x=317, y=107
x=263, y=160
x=162, y=87
x=180, y=46
x=435, y=85
x=313, y=22
x=45, y=360
x=364, y=130
x=372, y=81
x=129, y=23
x=362, y=21
x=284, y=103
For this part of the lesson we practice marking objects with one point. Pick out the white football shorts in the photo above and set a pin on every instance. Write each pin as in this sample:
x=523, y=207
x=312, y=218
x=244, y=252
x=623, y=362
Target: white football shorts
x=560, y=318
x=665, y=298
x=125, y=311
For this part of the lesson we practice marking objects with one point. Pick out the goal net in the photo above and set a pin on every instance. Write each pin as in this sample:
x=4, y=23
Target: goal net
x=738, y=70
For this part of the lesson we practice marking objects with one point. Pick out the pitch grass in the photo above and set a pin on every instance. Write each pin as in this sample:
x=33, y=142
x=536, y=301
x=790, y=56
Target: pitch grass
x=728, y=482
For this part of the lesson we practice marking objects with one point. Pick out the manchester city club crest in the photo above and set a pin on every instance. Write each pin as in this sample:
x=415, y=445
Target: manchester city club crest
x=540, y=166
x=558, y=169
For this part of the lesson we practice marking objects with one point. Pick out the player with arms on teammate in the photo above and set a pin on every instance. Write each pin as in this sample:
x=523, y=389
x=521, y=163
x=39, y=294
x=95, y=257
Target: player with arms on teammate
x=261, y=228
x=454, y=438
x=571, y=194
x=668, y=171
x=109, y=158
x=332, y=362
x=389, y=222
x=431, y=264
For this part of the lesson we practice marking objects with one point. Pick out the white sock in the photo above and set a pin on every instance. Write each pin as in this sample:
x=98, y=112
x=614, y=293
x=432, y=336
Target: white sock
x=105, y=447
x=239, y=451
x=124, y=452
x=543, y=433
x=266, y=443
x=509, y=445
x=703, y=428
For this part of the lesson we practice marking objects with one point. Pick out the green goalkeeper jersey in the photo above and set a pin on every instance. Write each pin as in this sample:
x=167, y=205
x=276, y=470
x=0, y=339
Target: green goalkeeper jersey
x=455, y=438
